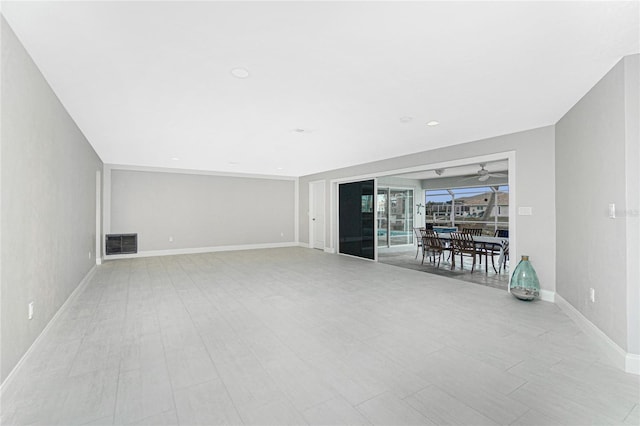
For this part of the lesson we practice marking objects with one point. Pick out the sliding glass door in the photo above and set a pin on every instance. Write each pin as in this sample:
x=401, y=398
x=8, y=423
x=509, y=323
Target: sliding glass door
x=356, y=219
x=395, y=216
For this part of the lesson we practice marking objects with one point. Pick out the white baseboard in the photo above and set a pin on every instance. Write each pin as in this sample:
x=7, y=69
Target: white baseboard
x=304, y=245
x=548, y=296
x=632, y=363
x=622, y=359
x=329, y=250
x=43, y=333
x=196, y=250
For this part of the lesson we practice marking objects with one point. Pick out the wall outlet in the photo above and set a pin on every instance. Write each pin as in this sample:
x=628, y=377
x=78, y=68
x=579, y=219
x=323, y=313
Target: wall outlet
x=592, y=295
x=89, y=254
x=30, y=310
x=171, y=239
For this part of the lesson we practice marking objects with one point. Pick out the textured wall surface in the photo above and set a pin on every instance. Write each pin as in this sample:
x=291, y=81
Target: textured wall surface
x=48, y=202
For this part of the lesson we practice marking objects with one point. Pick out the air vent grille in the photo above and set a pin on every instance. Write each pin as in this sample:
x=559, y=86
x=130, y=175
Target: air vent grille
x=121, y=243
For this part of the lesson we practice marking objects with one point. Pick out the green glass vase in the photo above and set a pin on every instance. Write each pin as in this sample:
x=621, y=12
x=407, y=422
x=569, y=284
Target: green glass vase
x=524, y=282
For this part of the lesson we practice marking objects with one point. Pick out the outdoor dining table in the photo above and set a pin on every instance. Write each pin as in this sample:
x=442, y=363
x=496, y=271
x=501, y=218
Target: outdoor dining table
x=499, y=241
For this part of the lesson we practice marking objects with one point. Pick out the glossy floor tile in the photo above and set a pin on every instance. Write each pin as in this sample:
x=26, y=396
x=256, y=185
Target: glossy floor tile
x=298, y=336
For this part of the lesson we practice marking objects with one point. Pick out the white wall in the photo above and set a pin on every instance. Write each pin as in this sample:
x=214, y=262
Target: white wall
x=535, y=188
x=201, y=210
x=593, y=170
x=48, y=202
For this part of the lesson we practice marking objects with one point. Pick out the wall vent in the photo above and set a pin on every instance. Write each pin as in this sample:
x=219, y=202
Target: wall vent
x=121, y=243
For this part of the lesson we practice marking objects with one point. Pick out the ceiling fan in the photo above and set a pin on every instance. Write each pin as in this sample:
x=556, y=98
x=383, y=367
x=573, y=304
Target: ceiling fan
x=484, y=174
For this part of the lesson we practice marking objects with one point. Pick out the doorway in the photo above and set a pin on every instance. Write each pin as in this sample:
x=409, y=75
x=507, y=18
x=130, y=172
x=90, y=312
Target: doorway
x=317, y=214
x=395, y=216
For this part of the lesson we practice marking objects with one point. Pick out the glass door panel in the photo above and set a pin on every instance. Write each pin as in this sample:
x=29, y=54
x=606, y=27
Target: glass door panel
x=400, y=216
x=395, y=217
x=383, y=217
x=356, y=219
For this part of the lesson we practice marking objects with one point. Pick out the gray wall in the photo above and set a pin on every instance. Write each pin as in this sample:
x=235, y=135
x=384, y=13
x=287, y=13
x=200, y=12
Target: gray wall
x=592, y=171
x=48, y=202
x=201, y=210
x=535, y=187
x=632, y=216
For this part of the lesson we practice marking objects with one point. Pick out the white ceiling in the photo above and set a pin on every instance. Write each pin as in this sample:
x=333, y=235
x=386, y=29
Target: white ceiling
x=150, y=81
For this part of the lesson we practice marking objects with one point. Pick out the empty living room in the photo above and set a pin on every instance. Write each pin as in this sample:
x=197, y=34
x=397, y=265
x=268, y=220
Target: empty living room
x=198, y=198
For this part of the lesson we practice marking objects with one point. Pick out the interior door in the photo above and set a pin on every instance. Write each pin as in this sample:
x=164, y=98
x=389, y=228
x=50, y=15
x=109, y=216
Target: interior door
x=356, y=216
x=316, y=210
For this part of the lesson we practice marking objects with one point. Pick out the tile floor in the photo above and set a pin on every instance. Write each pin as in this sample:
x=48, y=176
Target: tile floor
x=297, y=336
x=406, y=258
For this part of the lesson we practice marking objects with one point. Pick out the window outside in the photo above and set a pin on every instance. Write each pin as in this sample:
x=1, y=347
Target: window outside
x=485, y=207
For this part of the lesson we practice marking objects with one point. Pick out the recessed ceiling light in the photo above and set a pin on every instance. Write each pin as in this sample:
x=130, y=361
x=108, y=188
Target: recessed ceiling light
x=433, y=123
x=405, y=119
x=232, y=163
x=279, y=168
x=175, y=159
x=299, y=130
x=240, y=72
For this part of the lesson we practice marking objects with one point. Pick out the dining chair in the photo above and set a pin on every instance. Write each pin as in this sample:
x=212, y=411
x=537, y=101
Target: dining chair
x=472, y=231
x=489, y=249
x=505, y=256
x=463, y=245
x=435, y=245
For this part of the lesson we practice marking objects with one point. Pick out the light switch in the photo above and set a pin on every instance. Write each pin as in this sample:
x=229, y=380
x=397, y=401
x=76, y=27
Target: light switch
x=612, y=211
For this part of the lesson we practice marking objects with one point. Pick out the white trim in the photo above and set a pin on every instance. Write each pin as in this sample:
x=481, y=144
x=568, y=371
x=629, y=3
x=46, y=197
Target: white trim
x=375, y=219
x=513, y=200
x=621, y=359
x=303, y=245
x=296, y=210
x=81, y=285
x=98, y=248
x=330, y=250
x=632, y=363
x=196, y=172
x=548, y=296
x=196, y=250
x=106, y=204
